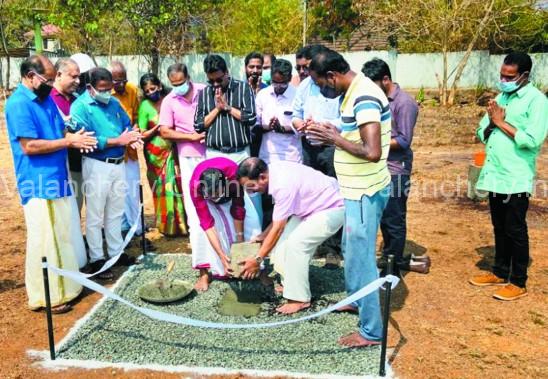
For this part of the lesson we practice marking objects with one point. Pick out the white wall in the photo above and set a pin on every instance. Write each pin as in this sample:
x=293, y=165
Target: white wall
x=409, y=70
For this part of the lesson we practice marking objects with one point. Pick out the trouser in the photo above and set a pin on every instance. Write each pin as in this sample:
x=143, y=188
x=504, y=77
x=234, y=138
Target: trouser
x=361, y=223
x=132, y=201
x=394, y=223
x=76, y=177
x=508, y=215
x=105, y=191
x=319, y=158
x=238, y=157
x=295, y=248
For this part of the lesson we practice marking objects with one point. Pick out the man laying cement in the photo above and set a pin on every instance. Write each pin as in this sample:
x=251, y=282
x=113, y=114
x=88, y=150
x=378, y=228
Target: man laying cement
x=308, y=209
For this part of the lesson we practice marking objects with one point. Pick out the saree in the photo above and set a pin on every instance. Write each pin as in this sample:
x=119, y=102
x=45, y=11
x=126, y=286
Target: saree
x=163, y=176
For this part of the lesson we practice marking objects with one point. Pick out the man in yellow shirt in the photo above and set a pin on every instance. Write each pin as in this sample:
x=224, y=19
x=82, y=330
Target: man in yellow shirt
x=128, y=95
x=362, y=172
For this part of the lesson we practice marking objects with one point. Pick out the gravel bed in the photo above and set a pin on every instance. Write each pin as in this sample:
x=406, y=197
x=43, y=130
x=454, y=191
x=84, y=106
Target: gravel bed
x=116, y=333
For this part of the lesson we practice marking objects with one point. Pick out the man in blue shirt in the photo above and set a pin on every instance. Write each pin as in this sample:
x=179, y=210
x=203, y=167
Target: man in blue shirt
x=103, y=169
x=39, y=146
x=310, y=107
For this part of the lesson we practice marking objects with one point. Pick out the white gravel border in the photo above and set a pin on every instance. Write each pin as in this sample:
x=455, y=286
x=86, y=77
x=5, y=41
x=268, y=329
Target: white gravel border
x=43, y=360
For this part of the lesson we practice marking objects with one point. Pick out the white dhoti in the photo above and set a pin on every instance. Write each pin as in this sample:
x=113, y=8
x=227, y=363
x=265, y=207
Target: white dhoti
x=133, y=201
x=76, y=201
x=76, y=233
x=292, y=254
x=49, y=228
x=203, y=254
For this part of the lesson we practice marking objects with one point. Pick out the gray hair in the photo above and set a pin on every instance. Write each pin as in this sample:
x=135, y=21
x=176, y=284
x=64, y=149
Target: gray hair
x=177, y=67
x=63, y=64
x=117, y=66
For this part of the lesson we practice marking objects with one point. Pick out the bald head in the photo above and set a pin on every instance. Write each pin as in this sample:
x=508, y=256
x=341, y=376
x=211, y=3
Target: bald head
x=67, y=79
x=119, y=76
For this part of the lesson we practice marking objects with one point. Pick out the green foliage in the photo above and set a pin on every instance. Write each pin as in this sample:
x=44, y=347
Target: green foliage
x=241, y=26
x=420, y=95
x=333, y=19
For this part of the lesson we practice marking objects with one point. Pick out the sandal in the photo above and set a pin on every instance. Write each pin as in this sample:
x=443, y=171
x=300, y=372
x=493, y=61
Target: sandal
x=105, y=275
x=60, y=309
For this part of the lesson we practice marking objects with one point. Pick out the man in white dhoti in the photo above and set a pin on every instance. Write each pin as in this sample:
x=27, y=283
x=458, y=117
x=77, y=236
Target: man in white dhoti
x=39, y=148
x=222, y=208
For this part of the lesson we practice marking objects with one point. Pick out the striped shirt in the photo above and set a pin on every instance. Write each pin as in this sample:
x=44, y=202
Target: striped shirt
x=364, y=102
x=226, y=131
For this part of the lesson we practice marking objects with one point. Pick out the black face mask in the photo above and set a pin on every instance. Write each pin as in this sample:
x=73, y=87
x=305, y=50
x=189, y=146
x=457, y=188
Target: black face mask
x=43, y=91
x=329, y=92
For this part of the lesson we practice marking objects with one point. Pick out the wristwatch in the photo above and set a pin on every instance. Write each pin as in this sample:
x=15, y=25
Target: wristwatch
x=259, y=259
x=227, y=108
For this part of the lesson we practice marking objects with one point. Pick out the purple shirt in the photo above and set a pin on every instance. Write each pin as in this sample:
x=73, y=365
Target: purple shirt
x=278, y=146
x=404, y=111
x=61, y=101
x=301, y=191
x=178, y=113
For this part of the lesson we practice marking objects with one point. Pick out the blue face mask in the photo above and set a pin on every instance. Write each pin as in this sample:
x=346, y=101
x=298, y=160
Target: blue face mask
x=154, y=96
x=329, y=92
x=102, y=96
x=267, y=76
x=182, y=90
x=509, y=87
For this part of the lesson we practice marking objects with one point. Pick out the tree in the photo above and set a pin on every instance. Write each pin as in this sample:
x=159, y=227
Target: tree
x=446, y=25
x=241, y=26
x=334, y=19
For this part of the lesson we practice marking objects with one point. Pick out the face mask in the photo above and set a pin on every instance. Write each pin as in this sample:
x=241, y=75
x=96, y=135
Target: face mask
x=279, y=89
x=509, y=87
x=154, y=96
x=42, y=92
x=181, y=90
x=267, y=76
x=102, y=96
x=329, y=92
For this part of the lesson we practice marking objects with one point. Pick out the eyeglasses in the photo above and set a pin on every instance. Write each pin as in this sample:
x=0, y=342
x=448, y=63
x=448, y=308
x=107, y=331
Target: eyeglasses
x=49, y=82
x=119, y=81
x=300, y=67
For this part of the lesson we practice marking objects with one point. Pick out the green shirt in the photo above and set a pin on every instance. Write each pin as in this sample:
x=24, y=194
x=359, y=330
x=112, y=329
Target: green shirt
x=510, y=164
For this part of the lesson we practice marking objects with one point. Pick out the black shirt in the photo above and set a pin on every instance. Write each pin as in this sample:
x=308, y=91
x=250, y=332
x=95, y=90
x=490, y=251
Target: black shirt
x=226, y=131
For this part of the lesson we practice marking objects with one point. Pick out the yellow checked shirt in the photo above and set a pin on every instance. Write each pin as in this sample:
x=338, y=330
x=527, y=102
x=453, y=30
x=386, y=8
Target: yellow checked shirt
x=129, y=101
x=364, y=102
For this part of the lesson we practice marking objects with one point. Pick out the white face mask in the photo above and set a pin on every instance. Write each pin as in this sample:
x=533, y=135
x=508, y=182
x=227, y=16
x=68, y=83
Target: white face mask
x=102, y=96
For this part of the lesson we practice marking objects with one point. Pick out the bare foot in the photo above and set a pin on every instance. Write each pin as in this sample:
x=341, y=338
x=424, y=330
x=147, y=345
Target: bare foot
x=347, y=308
x=292, y=307
x=202, y=284
x=356, y=340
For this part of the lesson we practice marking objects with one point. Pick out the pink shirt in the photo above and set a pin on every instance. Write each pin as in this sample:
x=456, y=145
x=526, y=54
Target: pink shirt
x=178, y=113
x=230, y=170
x=301, y=191
x=278, y=146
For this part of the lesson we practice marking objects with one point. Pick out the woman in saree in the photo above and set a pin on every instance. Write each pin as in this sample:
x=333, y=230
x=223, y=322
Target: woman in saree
x=161, y=159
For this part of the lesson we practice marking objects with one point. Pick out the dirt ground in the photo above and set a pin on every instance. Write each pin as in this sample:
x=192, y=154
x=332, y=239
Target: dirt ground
x=441, y=326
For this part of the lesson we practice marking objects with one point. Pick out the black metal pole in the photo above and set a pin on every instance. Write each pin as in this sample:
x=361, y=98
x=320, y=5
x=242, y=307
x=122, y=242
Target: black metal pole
x=386, y=315
x=48, y=310
x=143, y=238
